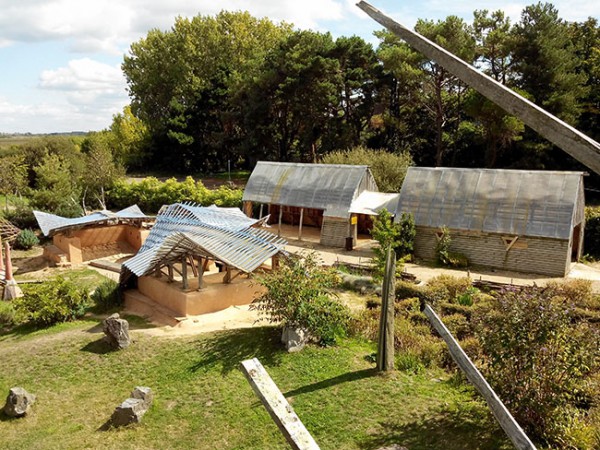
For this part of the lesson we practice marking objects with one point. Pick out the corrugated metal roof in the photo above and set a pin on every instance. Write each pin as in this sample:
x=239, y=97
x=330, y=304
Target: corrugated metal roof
x=220, y=233
x=371, y=203
x=515, y=202
x=50, y=224
x=331, y=187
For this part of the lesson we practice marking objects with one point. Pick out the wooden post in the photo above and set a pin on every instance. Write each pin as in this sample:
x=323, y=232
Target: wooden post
x=8, y=272
x=201, y=268
x=170, y=272
x=510, y=426
x=184, y=277
x=227, y=277
x=260, y=214
x=193, y=265
x=279, y=223
x=575, y=143
x=277, y=406
x=1, y=256
x=385, y=348
x=248, y=209
x=275, y=262
x=157, y=272
x=300, y=224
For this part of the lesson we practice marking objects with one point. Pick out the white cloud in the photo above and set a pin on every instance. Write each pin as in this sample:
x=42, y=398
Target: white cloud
x=110, y=25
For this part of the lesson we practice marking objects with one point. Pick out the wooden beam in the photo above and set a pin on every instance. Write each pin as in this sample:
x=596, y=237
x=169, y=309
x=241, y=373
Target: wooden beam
x=184, y=278
x=580, y=146
x=385, y=348
x=300, y=224
x=510, y=426
x=277, y=406
x=193, y=265
x=279, y=223
x=260, y=214
x=227, y=278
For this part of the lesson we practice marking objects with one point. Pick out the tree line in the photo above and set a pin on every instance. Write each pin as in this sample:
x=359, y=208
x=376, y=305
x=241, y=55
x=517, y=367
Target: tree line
x=234, y=89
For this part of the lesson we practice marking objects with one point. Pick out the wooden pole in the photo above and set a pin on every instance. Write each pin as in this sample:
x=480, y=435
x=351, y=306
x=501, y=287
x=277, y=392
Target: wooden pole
x=300, y=224
x=575, y=143
x=385, y=348
x=184, y=277
x=277, y=406
x=260, y=214
x=510, y=426
x=279, y=223
x=201, y=268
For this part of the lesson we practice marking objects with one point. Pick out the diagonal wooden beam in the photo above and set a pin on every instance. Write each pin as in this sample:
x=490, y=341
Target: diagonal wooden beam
x=581, y=147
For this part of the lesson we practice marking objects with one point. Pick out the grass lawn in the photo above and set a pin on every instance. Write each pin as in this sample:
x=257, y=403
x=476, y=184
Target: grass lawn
x=203, y=401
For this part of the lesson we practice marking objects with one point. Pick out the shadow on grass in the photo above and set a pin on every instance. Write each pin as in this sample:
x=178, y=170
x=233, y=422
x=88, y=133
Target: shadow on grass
x=229, y=348
x=452, y=427
x=99, y=347
x=5, y=418
x=324, y=384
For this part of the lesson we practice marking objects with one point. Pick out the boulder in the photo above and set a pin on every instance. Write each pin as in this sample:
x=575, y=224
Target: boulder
x=18, y=402
x=294, y=339
x=116, y=331
x=133, y=409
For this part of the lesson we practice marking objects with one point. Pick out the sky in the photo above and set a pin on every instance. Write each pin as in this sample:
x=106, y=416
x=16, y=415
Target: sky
x=60, y=59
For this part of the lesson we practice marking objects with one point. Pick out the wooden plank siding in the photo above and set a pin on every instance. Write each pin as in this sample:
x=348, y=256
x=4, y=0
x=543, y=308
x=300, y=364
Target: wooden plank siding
x=335, y=230
x=532, y=254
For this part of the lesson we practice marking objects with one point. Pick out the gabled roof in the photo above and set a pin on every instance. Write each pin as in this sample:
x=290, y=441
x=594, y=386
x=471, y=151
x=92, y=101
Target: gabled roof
x=372, y=203
x=515, y=202
x=331, y=187
x=51, y=224
x=224, y=234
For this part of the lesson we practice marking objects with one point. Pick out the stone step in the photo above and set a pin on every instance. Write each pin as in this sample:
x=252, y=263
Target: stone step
x=141, y=305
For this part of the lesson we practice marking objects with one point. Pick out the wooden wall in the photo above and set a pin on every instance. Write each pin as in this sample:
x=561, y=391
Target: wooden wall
x=542, y=256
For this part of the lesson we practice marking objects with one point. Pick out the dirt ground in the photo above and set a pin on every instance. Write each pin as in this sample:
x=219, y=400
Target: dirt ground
x=31, y=265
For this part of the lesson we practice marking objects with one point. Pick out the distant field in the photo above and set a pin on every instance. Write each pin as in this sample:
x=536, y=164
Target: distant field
x=8, y=140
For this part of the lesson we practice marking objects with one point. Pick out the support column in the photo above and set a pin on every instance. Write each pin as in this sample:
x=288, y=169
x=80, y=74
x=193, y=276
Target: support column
x=227, y=277
x=201, y=268
x=279, y=223
x=170, y=271
x=248, y=209
x=300, y=224
x=260, y=214
x=184, y=277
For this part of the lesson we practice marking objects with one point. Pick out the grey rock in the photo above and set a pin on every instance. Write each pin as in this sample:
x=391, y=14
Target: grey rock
x=116, y=331
x=18, y=402
x=294, y=339
x=133, y=409
x=393, y=447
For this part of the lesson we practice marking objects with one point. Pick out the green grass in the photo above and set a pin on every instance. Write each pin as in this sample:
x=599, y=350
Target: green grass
x=203, y=401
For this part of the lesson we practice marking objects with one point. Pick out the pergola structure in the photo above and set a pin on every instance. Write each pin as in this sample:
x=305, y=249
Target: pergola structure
x=96, y=235
x=171, y=267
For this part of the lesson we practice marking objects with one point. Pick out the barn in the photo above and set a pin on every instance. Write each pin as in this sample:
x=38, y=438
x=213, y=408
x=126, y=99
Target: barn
x=337, y=198
x=524, y=221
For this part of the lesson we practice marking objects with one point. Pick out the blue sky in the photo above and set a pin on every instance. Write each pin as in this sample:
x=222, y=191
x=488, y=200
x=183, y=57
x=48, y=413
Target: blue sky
x=60, y=59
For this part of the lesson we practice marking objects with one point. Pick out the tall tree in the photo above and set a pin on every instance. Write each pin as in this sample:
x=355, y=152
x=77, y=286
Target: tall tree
x=292, y=101
x=546, y=61
x=443, y=93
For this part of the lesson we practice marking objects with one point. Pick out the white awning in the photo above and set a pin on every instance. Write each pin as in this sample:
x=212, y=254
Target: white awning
x=371, y=203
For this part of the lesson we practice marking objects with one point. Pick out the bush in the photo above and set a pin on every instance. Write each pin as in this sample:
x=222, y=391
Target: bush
x=537, y=359
x=447, y=288
x=21, y=215
x=106, y=295
x=591, y=234
x=577, y=292
x=299, y=294
x=26, y=239
x=8, y=315
x=150, y=194
x=51, y=302
x=443, y=253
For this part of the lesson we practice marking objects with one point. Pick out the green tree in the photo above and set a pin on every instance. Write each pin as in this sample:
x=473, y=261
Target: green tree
x=290, y=104
x=57, y=191
x=101, y=170
x=13, y=175
x=444, y=92
x=399, y=236
x=129, y=139
x=388, y=169
x=546, y=61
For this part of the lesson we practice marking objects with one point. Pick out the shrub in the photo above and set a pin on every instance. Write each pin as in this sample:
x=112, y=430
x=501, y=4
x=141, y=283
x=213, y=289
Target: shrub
x=21, y=214
x=150, y=194
x=443, y=253
x=389, y=234
x=299, y=294
x=447, y=288
x=51, y=302
x=8, y=315
x=577, y=292
x=26, y=239
x=106, y=295
x=591, y=234
x=537, y=359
